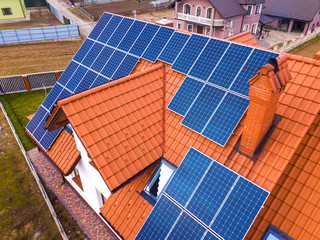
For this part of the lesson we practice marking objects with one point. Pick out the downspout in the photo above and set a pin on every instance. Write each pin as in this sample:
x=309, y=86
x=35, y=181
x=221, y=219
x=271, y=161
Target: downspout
x=164, y=111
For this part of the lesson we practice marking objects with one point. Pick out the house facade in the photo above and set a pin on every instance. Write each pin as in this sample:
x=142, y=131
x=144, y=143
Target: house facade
x=298, y=16
x=120, y=141
x=216, y=18
x=12, y=9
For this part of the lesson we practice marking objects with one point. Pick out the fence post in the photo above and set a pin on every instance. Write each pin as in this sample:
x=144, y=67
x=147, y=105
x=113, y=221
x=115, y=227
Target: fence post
x=57, y=75
x=26, y=82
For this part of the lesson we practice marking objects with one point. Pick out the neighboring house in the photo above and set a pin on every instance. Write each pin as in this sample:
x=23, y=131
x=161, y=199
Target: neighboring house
x=218, y=18
x=293, y=16
x=123, y=144
x=12, y=9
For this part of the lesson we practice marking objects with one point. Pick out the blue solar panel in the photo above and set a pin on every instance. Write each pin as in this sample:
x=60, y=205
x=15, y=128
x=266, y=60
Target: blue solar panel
x=99, y=81
x=208, y=59
x=64, y=94
x=211, y=192
x=86, y=81
x=131, y=35
x=186, y=178
x=40, y=130
x=173, y=47
x=210, y=236
x=100, y=26
x=76, y=78
x=144, y=39
x=103, y=57
x=185, y=96
x=240, y=210
x=256, y=60
x=160, y=220
x=190, y=53
x=203, y=107
x=157, y=44
x=109, y=29
x=230, y=65
x=113, y=63
x=187, y=228
x=92, y=54
x=84, y=49
x=71, y=68
x=126, y=67
x=48, y=138
x=120, y=32
x=38, y=116
x=226, y=118
x=52, y=96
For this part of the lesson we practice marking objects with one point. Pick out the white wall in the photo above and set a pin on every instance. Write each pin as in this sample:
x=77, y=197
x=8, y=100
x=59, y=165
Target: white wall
x=91, y=180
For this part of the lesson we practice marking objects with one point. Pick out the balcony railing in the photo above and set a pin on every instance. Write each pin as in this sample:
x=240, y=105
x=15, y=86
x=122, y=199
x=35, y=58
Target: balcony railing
x=201, y=20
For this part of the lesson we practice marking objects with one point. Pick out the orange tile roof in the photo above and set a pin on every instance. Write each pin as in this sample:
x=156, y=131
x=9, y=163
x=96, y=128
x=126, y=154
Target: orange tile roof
x=244, y=38
x=120, y=124
x=126, y=210
x=294, y=203
x=64, y=152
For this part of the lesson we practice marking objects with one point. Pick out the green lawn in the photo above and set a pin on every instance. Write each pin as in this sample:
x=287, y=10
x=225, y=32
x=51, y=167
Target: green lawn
x=20, y=105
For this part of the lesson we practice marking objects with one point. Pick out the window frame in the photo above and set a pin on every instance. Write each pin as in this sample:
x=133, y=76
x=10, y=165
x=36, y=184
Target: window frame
x=247, y=27
x=76, y=178
x=250, y=10
x=184, y=9
x=207, y=10
x=275, y=232
x=191, y=27
x=207, y=31
x=3, y=10
x=197, y=8
x=255, y=10
x=179, y=25
x=155, y=176
x=255, y=26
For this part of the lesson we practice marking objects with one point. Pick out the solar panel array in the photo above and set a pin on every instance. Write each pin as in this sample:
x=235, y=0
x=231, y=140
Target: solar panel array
x=204, y=200
x=115, y=46
x=214, y=96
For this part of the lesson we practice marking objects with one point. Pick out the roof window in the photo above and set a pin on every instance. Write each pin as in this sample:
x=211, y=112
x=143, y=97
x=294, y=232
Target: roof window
x=273, y=233
x=159, y=179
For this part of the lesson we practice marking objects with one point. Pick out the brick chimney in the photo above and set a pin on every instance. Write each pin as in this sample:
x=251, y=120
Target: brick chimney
x=264, y=93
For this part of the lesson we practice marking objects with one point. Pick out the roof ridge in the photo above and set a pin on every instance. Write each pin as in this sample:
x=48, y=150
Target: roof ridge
x=108, y=85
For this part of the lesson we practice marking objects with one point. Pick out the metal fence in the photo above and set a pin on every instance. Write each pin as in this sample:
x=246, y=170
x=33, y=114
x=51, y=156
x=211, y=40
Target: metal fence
x=59, y=15
x=13, y=84
x=38, y=34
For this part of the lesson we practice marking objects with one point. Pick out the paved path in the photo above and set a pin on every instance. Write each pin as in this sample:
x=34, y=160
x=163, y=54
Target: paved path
x=62, y=6
x=85, y=217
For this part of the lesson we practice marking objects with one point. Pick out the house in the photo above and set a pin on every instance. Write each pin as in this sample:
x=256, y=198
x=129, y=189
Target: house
x=293, y=16
x=127, y=146
x=218, y=18
x=12, y=9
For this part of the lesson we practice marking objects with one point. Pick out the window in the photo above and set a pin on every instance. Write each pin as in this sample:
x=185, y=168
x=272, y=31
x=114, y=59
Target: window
x=178, y=25
x=249, y=9
x=159, y=179
x=273, y=233
x=207, y=31
x=198, y=13
x=76, y=178
x=209, y=13
x=258, y=9
x=103, y=199
x=230, y=28
x=245, y=27
x=187, y=9
x=6, y=11
x=254, y=28
x=190, y=27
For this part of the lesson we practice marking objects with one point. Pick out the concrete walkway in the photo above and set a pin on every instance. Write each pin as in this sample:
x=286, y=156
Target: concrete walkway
x=91, y=224
x=62, y=6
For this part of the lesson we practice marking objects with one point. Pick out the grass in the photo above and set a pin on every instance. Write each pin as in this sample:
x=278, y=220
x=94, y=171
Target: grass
x=23, y=212
x=33, y=58
x=18, y=107
x=307, y=49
